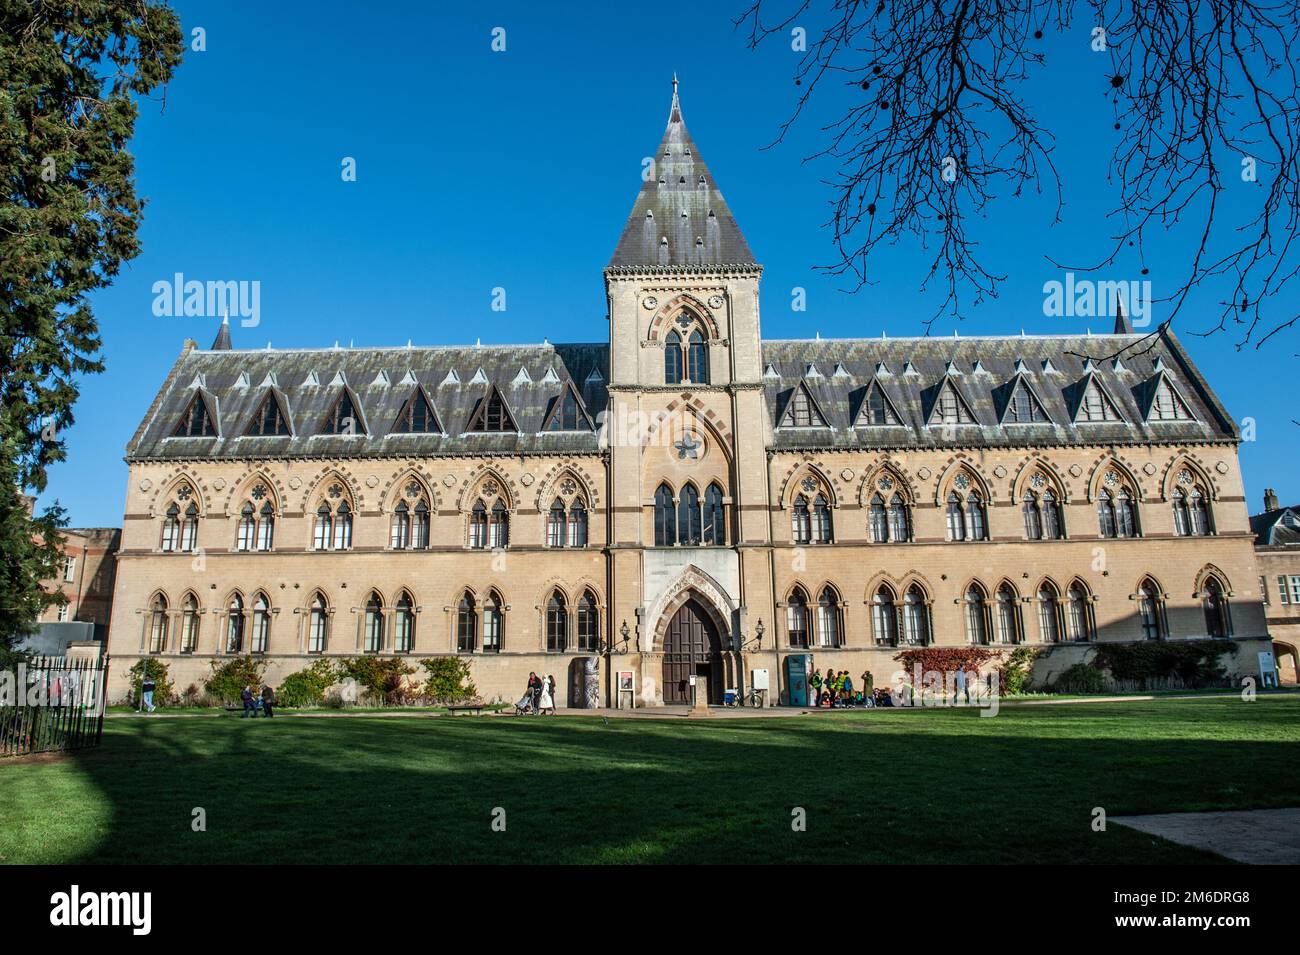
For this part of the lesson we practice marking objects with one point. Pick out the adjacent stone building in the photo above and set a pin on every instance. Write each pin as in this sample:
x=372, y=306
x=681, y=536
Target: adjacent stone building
x=1277, y=548
x=684, y=500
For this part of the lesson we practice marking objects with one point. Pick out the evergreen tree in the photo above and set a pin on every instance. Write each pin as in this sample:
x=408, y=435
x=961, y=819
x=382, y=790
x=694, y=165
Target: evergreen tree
x=71, y=73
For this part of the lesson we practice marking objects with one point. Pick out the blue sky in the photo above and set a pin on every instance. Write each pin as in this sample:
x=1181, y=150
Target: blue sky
x=478, y=169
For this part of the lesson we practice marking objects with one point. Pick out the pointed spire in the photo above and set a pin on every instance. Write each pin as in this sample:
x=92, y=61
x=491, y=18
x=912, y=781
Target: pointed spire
x=679, y=218
x=1122, y=325
x=222, y=341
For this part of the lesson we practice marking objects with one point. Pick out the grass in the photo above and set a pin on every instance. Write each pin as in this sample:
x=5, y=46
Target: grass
x=877, y=787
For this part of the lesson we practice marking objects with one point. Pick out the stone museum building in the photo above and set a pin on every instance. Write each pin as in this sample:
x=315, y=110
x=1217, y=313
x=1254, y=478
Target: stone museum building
x=684, y=499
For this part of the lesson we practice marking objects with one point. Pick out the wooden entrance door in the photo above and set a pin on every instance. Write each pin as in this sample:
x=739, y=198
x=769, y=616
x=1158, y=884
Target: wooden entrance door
x=692, y=646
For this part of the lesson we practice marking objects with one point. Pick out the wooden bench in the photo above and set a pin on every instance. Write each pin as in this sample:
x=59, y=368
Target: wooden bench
x=475, y=708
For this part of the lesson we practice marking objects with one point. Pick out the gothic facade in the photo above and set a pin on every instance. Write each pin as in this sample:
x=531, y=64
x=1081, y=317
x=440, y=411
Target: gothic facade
x=685, y=500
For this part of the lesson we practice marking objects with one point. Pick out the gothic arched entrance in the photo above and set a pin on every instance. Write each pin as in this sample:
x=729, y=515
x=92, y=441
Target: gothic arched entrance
x=692, y=646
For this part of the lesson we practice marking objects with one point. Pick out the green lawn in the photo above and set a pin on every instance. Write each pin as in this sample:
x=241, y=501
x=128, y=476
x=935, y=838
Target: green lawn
x=880, y=786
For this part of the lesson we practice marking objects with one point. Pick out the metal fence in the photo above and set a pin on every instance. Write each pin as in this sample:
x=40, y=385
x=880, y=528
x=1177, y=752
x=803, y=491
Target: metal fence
x=51, y=704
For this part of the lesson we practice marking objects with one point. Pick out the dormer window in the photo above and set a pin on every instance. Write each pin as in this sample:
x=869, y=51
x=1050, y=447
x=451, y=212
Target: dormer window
x=492, y=415
x=196, y=422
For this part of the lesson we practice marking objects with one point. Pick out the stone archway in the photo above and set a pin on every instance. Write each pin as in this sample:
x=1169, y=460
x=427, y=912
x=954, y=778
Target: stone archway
x=1288, y=663
x=692, y=647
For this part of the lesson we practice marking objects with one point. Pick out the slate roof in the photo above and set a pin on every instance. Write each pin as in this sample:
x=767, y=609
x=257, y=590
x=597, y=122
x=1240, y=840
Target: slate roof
x=839, y=372
x=309, y=381
x=1277, y=528
x=680, y=202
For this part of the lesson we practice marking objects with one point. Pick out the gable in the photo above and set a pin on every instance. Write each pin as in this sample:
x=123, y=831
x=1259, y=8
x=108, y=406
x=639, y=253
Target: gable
x=801, y=410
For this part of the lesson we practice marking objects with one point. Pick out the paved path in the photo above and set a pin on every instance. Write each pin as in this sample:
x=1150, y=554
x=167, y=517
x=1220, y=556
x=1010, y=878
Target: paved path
x=1256, y=836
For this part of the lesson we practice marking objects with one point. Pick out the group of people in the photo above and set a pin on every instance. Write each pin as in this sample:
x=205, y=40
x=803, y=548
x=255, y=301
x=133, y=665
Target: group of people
x=836, y=689
x=539, y=698
x=265, y=702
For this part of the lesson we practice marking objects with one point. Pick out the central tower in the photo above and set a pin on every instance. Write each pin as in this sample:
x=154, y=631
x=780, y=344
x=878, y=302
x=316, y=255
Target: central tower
x=687, y=430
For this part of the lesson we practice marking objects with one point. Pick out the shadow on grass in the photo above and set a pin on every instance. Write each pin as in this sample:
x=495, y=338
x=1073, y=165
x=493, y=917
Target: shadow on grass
x=939, y=786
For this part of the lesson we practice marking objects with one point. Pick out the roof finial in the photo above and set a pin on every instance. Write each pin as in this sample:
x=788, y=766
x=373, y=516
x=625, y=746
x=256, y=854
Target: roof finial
x=675, y=113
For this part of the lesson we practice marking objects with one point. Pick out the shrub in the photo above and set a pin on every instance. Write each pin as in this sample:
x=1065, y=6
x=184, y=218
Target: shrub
x=1080, y=678
x=1158, y=663
x=380, y=676
x=163, y=693
x=228, y=679
x=449, y=680
x=307, y=687
x=1013, y=674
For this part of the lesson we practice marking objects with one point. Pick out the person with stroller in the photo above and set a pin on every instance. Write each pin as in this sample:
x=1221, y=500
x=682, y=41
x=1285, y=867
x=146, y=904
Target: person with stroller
x=531, y=699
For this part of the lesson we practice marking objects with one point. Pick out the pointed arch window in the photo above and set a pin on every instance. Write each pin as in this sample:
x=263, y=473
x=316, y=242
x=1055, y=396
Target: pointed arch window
x=171, y=530
x=715, y=525
x=823, y=531
x=577, y=523
x=499, y=531
x=588, y=623
x=1125, y=515
x=557, y=623
x=235, y=625
x=697, y=358
x=1151, y=610
x=1033, y=519
x=190, y=528
x=688, y=517
x=374, y=624
x=800, y=521
x=333, y=526
x=190, y=624
x=318, y=624
x=1049, y=613
x=1106, y=514
x=977, y=626
x=976, y=517
x=879, y=520
x=1006, y=618
x=673, y=363
x=1214, y=601
x=493, y=623
x=478, y=523
x=556, y=522
x=404, y=624
x=796, y=617
x=399, y=537
x=466, y=624
x=956, y=518
x=1053, y=520
x=916, y=617
x=256, y=528
x=342, y=526
x=158, y=625
x=261, y=636
x=665, y=517
x=884, y=618
x=180, y=530
x=900, y=520
x=829, y=631
x=1078, y=618
x=1191, y=512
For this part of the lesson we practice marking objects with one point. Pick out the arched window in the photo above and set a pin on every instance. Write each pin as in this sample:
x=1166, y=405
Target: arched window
x=318, y=624
x=466, y=624
x=158, y=625
x=499, y=533
x=697, y=362
x=404, y=624
x=1125, y=515
x=900, y=521
x=1182, y=520
x=190, y=528
x=1218, y=622
x=577, y=523
x=916, y=617
x=976, y=519
x=478, y=526
x=557, y=623
x=342, y=526
x=665, y=517
x=1053, y=521
x=180, y=530
x=1106, y=514
x=556, y=522
x=171, y=530
x=493, y=623
x=956, y=518
x=822, y=530
x=1199, y=510
x=1033, y=519
x=884, y=619
x=265, y=526
x=715, y=527
x=829, y=631
x=1151, y=608
x=879, y=520
x=261, y=624
x=235, y=625
x=800, y=521
x=673, y=358
x=374, y=624
x=1007, y=618
x=1049, y=613
x=688, y=516
x=333, y=522
x=1078, y=621
x=247, y=527
x=190, y=624
x=399, y=537
x=796, y=618
x=420, y=526
x=588, y=623
x=977, y=630
x=324, y=527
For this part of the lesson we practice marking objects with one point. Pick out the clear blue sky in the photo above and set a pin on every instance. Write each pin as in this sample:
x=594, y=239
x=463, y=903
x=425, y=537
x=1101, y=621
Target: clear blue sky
x=478, y=169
